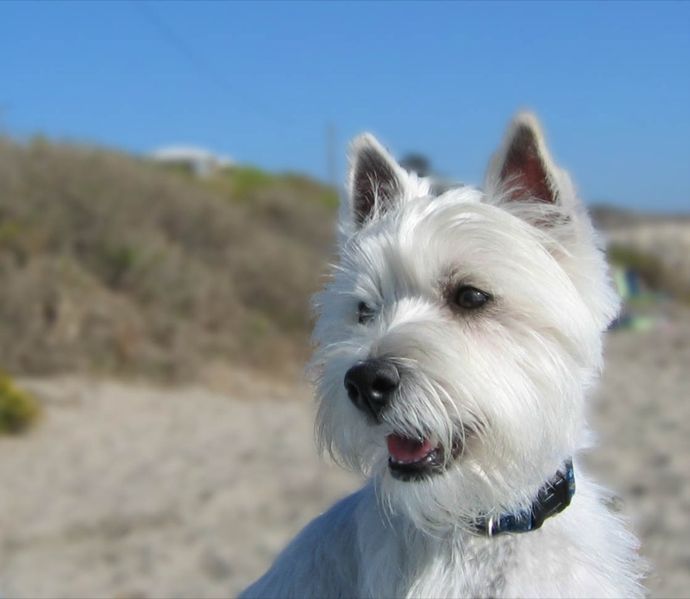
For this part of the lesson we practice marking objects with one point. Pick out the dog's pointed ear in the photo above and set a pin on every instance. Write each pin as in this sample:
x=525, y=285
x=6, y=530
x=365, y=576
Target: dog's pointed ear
x=522, y=170
x=376, y=181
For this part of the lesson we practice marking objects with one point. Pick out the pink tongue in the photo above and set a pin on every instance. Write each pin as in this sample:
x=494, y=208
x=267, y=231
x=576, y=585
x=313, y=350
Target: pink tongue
x=408, y=450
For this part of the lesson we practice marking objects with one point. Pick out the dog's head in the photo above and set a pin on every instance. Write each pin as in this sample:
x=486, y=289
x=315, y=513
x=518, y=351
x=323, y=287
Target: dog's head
x=459, y=332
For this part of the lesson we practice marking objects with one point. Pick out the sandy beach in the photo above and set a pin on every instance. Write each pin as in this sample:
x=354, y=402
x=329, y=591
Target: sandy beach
x=126, y=491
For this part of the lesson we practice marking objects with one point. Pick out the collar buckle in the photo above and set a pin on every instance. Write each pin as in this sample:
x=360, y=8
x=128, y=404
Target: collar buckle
x=551, y=499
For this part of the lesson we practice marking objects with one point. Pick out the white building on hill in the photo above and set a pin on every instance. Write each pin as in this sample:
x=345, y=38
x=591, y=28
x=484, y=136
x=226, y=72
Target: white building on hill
x=198, y=160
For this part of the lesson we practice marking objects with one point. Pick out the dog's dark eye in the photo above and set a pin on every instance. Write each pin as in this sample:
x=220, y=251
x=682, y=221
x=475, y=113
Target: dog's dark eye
x=471, y=298
x=364, y=313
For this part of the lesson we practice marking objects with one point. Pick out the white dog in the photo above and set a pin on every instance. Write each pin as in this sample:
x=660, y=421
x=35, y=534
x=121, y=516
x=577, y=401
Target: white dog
x=457, y=342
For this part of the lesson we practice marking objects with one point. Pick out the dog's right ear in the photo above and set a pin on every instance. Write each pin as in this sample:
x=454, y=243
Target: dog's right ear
x=376, y=181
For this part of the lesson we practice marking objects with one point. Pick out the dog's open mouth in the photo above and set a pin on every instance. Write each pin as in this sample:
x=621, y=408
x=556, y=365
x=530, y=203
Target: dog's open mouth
x=413, y=459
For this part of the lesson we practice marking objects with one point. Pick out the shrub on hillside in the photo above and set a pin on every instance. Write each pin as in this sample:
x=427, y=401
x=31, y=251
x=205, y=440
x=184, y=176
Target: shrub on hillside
x=18, y=409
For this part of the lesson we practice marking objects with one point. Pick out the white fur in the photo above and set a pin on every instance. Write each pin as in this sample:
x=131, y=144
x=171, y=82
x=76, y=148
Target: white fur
x=510, y=380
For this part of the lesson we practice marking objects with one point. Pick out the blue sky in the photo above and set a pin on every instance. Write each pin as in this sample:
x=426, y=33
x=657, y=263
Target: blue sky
x=261, y=82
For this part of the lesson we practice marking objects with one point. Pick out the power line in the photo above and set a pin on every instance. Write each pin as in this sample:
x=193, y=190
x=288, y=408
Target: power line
x=197, y=60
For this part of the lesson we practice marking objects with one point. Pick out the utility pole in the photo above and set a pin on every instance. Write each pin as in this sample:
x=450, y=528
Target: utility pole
x=331, y=161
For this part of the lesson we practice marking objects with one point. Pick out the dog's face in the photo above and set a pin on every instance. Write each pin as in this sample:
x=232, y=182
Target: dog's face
x=460, y=332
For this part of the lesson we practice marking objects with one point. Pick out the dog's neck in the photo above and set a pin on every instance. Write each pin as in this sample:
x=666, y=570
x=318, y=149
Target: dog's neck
x=551, y=499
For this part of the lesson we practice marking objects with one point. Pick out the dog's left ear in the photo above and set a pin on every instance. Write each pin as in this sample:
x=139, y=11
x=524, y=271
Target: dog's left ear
x=376, y=181
x=523, y=171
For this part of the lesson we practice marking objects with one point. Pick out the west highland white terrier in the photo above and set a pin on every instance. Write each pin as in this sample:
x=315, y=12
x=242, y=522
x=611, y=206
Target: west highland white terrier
x=456, y=344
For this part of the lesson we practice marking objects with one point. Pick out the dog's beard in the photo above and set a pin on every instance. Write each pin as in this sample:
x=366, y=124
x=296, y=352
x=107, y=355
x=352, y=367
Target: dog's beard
x=449, y=486
x=444, y=485
x=469, y=473
x=488, y=437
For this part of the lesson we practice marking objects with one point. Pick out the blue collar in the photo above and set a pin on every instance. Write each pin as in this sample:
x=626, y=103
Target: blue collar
x=551, y=499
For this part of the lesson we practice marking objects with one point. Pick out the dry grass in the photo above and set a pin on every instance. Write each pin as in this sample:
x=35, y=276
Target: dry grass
x=112, y=265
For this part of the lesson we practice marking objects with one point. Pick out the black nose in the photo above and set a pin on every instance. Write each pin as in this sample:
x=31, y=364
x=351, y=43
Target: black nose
x=371, y=384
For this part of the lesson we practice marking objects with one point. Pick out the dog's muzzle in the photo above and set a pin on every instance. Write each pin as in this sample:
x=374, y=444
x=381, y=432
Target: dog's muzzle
x=371, y=384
